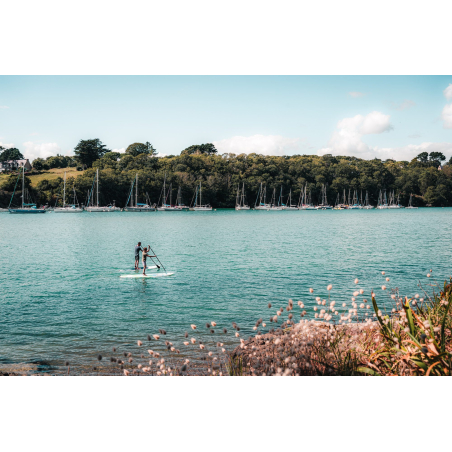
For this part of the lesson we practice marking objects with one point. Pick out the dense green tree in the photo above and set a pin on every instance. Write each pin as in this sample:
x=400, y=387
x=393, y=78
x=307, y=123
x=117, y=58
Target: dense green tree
x=207, y=148
x=10, y=154
x=40, y=164
x=135, y=149
x=88, y=151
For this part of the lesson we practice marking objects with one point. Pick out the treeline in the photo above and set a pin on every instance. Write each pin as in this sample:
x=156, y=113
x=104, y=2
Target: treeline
x=424, y=177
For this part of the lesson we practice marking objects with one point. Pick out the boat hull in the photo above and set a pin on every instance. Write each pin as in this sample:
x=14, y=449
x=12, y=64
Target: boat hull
x=67, y=210
x=103, y=209
x=27, y=210
x=242, y=207
x=139, y=209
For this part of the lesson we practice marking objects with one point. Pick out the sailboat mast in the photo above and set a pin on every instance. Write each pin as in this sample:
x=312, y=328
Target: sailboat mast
x=23, y=185
x=64, y=190
x=200, y=195
x=136, y=191
x=97, y=187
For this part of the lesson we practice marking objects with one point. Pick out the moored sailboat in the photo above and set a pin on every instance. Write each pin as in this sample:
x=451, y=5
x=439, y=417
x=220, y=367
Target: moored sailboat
x=27, y=207
x=71, y=208
x=289, y=205
x=199, y=206
x=240, y=199
x=324, y=202
x=367, y=205
x=410, y=203
x=132, y=204
x=95, y=207
x=262, y=195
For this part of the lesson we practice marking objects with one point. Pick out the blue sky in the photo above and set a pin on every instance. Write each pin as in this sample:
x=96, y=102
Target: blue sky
x=367, y=116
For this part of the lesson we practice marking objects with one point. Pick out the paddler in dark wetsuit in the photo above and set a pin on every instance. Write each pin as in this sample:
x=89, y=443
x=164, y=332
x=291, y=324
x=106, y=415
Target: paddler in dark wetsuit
x=137, y=255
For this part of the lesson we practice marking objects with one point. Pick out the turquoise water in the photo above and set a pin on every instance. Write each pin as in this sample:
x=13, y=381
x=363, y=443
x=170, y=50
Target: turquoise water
x=62, y=297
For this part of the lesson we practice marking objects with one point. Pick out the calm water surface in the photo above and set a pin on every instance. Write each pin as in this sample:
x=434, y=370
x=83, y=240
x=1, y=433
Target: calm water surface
x=62, y=296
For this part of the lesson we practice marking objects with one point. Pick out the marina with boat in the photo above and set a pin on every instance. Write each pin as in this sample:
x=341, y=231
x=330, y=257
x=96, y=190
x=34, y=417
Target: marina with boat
x=278, y=201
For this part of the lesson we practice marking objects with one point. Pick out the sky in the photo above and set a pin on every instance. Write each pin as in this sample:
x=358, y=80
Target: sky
x=364, y=116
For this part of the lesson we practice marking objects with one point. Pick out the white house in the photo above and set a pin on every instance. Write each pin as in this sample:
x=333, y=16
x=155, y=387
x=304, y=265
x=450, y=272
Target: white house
x=10, y=165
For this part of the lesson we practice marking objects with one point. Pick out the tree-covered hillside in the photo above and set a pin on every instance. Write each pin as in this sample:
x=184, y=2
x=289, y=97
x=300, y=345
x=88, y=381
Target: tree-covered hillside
x=220, y=175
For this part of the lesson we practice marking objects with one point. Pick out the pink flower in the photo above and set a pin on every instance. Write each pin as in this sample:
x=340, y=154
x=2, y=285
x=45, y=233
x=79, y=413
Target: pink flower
x=193, y=327
x=311, y=290
x=156, y=337
x=213, y=323
x=186, y=343
x=383, y=287
x=356, y=281
x=329, y=287
x=139, y=343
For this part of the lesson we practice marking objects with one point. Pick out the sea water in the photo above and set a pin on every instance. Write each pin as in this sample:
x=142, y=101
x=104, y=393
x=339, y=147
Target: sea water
x=62, y=297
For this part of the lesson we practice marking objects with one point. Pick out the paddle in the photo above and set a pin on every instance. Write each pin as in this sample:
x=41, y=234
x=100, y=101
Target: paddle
x=149, y=246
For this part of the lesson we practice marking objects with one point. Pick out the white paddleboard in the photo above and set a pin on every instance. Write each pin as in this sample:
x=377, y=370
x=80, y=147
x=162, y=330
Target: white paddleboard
x=151, y=267
x=152, y=275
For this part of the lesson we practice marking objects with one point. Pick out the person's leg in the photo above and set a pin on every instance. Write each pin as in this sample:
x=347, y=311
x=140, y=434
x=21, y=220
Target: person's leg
x=144, y=268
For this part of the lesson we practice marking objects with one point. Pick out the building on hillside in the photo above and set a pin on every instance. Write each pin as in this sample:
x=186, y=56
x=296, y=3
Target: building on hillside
x=11, y=165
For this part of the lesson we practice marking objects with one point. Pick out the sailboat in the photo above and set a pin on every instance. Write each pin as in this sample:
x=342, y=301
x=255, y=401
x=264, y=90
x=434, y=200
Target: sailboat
x=96, y=208
x=199, y=206
x=240, y=199
x=410, y=203
x=338, y=205
x=324, y=204
x=132, y=205
x=355, y=204
x=305, y=200
x=366, y=202
x=27, y=207
x=262, y=195
x=71, y=208
x=382, y=201
x=179, y=200
x=392, y=201
x=289, y=205
x=167, y=196
x=273, y=205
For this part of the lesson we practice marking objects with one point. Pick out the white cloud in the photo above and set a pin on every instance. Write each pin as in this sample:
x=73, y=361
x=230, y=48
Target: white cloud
x=3, y=107
x=260, y=144
x=7, y=145
x=448, y=92
x=410, y=151
x=356, y=94
x=120, y=150
x=447, y=116
x=347, y=139
x=34, y=150
x=405, y=105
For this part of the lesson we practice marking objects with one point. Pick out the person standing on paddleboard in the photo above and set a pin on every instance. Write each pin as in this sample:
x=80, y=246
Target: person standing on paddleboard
x=137, y=255
x=145, y=255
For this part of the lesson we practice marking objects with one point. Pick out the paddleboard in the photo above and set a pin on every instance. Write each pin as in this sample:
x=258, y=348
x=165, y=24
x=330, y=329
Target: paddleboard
x=147, y=268
x=152, y=275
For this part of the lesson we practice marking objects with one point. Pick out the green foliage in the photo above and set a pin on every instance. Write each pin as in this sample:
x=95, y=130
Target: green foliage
x=207, y=148
x=135, y=149
x=10, y=182
x=220, y=175
x=58, y=161
x=417, y=338
x=88, y=151
x=10, y=154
